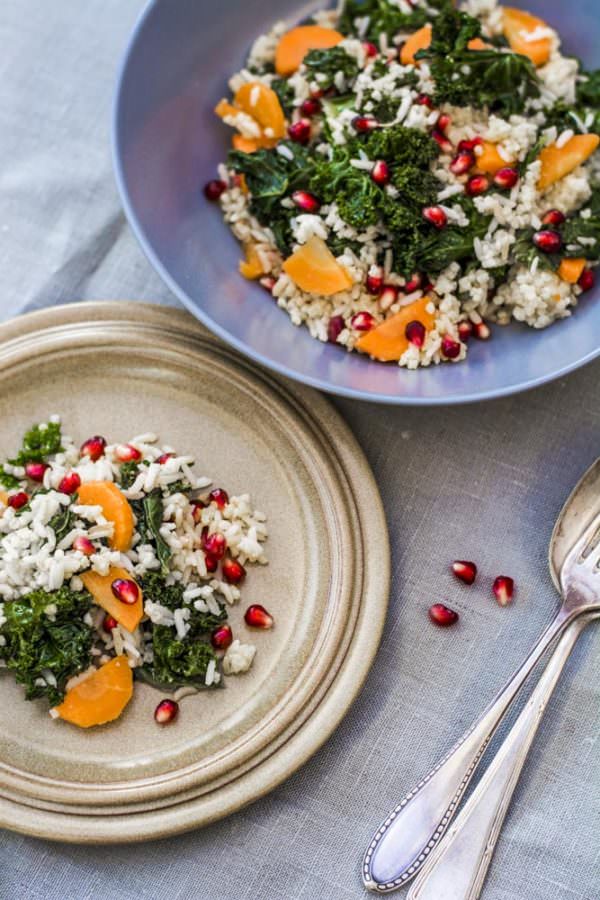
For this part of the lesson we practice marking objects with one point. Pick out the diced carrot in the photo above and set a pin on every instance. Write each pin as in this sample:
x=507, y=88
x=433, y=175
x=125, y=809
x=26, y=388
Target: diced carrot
x=262, y=104
x=314, y=269
x=101, y=697
x=388, y=341
x=419, y=40
x=99, y=586
x=560, y=161
x=251, y=267
x=295, y=44
x=489, y=160
x=115, y=508
x=571, y=269
x=517, y=26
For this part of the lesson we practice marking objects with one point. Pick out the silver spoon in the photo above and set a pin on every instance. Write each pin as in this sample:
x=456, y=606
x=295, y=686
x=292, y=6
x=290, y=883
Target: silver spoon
x=408, y=836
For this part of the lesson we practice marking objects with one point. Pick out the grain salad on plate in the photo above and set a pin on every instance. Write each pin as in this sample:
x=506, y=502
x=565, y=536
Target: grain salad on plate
x=405, y=172
x=117, y=561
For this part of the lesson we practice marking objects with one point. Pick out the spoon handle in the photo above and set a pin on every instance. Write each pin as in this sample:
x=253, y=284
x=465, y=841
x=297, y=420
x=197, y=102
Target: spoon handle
x=403, y=842
x=457, y=868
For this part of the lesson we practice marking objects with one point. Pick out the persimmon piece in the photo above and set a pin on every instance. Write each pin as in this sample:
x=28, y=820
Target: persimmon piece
x=489, y=161
x=251, y=145
x=224, y=108
x=517, y=25
x=101, y=697
x=571, y=269
x=388, y=341
x=559, y=161
x=420, y=40
x=3, y=498
x=265, y=110
x=295, y=44
x=99, y=587
x=115, y=508
x=314, y=269
x=478, y=44
x=251, y=267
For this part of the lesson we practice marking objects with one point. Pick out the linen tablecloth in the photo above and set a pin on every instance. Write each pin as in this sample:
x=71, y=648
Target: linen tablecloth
x=482, y=482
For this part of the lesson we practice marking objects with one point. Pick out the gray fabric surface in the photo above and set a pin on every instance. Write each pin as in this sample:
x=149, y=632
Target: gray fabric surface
x=484, y=482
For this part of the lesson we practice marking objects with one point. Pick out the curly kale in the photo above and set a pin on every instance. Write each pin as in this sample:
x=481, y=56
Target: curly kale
x=40, y=442
x=156, y=589
x=149, y=515
x=37, y=644
x=324, y=65
x=584, y=115
x=7, y=480
x=128, y=472
x=285, y=94
x=384, y=17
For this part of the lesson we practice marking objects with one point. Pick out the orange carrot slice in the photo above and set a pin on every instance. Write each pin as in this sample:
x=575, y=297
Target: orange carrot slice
x=101, y=697
x=388, y=341
x=490, y=161
x=314, y=269
x=560, y=161
x=517, y=26
x=251, y=267
x=419, y=40
x=570, y=270
x=115, y=508
x=295, y=44
x=262, y=104
x=99, y=586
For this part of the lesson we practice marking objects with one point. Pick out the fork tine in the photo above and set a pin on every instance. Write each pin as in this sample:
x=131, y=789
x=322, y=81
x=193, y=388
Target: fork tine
x=574, y=555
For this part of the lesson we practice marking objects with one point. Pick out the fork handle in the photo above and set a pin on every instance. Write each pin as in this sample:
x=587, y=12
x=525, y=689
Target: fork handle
x=403, y=842
x=457, y=868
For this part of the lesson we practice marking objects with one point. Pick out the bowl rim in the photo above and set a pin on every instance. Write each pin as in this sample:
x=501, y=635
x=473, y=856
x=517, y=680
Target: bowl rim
x=456, y=399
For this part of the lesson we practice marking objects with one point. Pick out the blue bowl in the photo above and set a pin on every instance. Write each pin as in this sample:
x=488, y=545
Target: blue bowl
x=167, y=143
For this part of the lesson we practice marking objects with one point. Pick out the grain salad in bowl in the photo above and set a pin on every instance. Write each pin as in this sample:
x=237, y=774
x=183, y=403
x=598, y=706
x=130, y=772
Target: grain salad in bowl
x=117, y=563
x=406, y=174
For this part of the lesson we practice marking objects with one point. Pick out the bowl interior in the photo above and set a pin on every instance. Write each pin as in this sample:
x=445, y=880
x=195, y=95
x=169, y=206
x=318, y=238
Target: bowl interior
x=167, y=144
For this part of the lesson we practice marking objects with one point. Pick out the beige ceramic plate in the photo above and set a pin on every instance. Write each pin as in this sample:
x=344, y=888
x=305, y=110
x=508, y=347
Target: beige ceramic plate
x=120, y=369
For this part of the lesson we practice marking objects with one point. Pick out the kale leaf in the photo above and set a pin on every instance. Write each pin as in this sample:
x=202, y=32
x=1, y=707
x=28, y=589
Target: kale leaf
x=156, y=589
x=7, y=480
x=176, y=663
x=40, y=442
x=285, y=94
x=62, y=523
x=128, y=472
x=36, y=644
x=324, y=65
x=588, y=89
x=149, y=515
x=384, y=17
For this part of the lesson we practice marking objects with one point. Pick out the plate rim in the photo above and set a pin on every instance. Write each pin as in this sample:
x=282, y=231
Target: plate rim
x=65, y=824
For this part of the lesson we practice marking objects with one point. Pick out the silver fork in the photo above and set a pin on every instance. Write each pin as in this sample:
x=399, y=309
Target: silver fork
x=404, y=841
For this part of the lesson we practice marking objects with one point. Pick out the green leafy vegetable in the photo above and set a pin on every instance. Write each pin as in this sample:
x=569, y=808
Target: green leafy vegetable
x=128, y=472
x=62, y=522
x=40, y=442
x=323, y=66
x=149, y=515
x=37, y=645
x=7, y=480
x=156, y=589
x=177, y=662
x=384, y=17
x=285, y=93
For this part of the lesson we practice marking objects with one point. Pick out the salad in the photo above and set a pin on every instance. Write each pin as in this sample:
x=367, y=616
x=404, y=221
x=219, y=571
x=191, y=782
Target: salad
x=406, y=172
x=117, y=563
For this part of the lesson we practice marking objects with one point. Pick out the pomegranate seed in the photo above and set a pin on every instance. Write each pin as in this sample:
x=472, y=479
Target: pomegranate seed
x=214, y=545
x=311, y=107
x=415, y=333
x=306, y=201
x=108, y=623
x=128, y=453
x=164, y=457
x=220, y=497
x=166, y=712
x=436, y=216
x=84, y=545
x=477, y=185
x=93, y=447
x=481, y=331
x=363, y=124
x=450, y=347
x=464, y=570
x=443, y=122
x=465, y=330
x=506, y=178
x=587, y=280
x=375, y=280
x=125, y=590
x=380, y=173
x=370, y=49
x=554, y=217
x=300, y=131
x=548, y=241
x=257, y=617
x=424, y=100
x=221, y=637
x=211, y=563
x=413, y=284
x=503, y=588
x=267, y=282
x=35, y=471
x=442, y=615
x=197, y=507
x=18, y=500
x=233, y=571
x=444, y=144
x=335, y=327
x=70, y=483
x=462, y=162
x=470, y=144
x=388, y=296
x=362, y=321
x=213, y=189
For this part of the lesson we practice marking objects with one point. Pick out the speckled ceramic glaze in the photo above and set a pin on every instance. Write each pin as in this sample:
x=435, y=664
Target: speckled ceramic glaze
x=167, y=143
x=121, y=369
